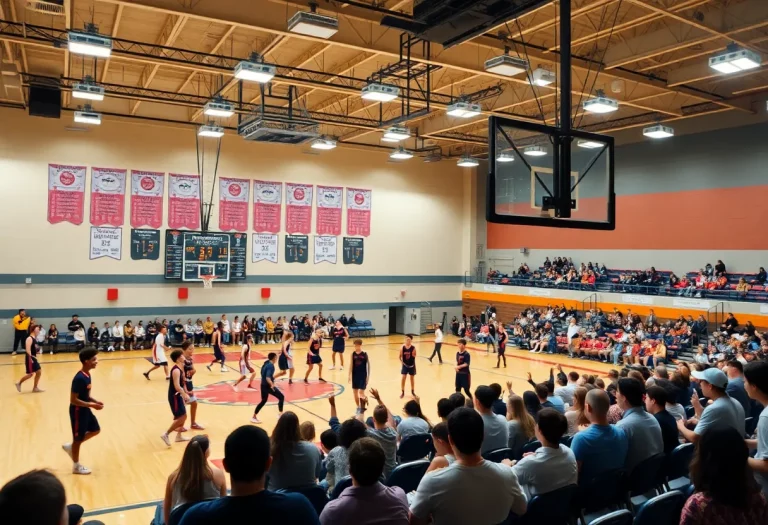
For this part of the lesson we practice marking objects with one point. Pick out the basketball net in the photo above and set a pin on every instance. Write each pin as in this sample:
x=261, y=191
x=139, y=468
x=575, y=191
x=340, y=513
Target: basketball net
x=208, y=281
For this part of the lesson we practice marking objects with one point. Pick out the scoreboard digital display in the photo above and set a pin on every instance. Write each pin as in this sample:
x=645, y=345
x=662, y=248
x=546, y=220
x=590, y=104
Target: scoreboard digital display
x=190, y=255
x=212, y=248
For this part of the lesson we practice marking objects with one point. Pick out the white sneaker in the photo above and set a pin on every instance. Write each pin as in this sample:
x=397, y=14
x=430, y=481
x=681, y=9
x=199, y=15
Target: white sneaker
x=79, y=469
x=331, y=367
x=234, y=388
x=51, y=352
x=166, y=439
x=68, y=449
x=255, y=420
x=341, y=368
x=18, y=387
x=180, y=438
x=224, y=369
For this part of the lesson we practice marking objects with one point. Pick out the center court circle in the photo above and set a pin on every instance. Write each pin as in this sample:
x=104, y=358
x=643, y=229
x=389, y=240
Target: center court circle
x=299, y=392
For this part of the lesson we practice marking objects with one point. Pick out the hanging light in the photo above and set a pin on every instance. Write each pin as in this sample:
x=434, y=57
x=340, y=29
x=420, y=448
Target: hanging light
x=380, y=92
x=463, y=109
x=601, y=104
x=89, y=42
x=505, y=157
x=543, y=77
x=735, y=59
x=466, y=161
x=589, y=144
x=401, y=154
x=323, y=143
x=255, y=70
x=219, y=107
x=86, y=115
x=396, y=134
x=506, y=65
x=87, y=90
x=210, y=130
x=658, y=132
x=535, y=151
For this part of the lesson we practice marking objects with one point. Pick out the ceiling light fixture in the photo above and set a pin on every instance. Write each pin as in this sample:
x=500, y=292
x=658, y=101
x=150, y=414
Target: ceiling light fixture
x=401, y=154
x=543, y=77
x=505, y=157
x=323, y=143
x=506, y=65
x=87, y=90
x=210, y=130
x=255, y=70
x=380, y=92
x=601, y=104
x=535, y=151
x=589, y=144
x=218, y=107
x=87, y=116
x=463, y=109
x=312, y=23
x=658, y=132
x=89, y=42
x=396, y=134
x=735, y=59
x=466, y=161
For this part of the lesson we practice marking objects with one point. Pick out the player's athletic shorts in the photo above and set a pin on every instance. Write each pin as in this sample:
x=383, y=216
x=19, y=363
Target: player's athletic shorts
x=217, y=353
x=404, y=370
x=190, y=386
x=463, y=381
x=502, y=348
x=177, y=406
x=338, y=346
x=284, y=363
x=359, y=383
x=83, y=421
x=245, y=368
x=30, y=364
x=314, y=359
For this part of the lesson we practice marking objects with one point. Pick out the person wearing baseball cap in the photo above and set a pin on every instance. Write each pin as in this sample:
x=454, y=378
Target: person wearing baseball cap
x=723, y=411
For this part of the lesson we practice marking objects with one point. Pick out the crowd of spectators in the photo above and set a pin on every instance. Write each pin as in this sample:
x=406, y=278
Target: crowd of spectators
x=492, y=456
x=129, y=336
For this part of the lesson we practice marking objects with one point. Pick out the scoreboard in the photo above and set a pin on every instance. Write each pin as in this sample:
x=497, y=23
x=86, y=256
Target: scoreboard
x=190, y=255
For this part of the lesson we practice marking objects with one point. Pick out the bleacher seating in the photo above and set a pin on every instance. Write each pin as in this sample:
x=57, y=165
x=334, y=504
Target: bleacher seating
x=362, y=328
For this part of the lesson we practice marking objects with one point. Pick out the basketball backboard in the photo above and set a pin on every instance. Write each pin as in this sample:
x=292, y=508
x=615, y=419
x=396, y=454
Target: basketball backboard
x=524, y=173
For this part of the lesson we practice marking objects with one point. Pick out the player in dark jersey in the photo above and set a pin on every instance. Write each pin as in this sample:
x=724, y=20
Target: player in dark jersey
x=177, y=398
x=502, y=338
x=408, y=362
x=81, y=403
x=268, y=387
x=188, y=348
x=313, y=356
x=463, y=376
x=31, y=366
x=340, y=335
x=285, y=359
x=245, y=364
x=218, y=354
x=359, y=373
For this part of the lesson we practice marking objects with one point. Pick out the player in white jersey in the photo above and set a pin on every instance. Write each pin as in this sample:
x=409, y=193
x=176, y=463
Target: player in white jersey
x=245, y=364
x=158, y=353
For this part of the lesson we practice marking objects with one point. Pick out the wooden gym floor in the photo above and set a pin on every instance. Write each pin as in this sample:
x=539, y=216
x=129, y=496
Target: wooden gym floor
x=130, y=463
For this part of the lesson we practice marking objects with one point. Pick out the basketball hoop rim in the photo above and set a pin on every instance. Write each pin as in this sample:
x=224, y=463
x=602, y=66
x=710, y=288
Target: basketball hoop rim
x=208, y=280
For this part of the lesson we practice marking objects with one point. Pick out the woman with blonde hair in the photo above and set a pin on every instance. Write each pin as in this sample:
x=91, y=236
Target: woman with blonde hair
x=575, y=415
x=521, y=424
x=195, y=480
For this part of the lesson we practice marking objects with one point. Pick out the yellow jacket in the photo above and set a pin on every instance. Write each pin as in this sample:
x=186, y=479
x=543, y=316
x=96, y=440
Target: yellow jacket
x=208, y=327
x=21, y=324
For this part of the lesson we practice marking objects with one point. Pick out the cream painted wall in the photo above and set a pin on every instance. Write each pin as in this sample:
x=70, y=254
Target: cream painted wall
x=416, y=206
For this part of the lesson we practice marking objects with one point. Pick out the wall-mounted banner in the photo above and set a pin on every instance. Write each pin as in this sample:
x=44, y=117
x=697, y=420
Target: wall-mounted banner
x=183, y=201
x=329, y=202
x=298, y=208
x=145, y=244
x=692, y=303
x=352, y=249
x=147, y=198
x=540, y=292
x=358, y=212
x=106, y=242
x=325, y=249
x=265, y=247
x=267, y=199
x=492, y=288
x=764, y=308
x=637, y=299
x=296, y=249
x=66, y=193
x=233, y=204
x=108, y=196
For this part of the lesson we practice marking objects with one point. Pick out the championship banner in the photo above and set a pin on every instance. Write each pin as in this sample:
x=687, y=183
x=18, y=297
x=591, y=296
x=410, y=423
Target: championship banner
x=108, y=196
x=352, y=250
x=147, y=199
x=66, y=193
x=298, y=208
x=267, y=200
x=325, y=249
x=265, y=247
x=106, y=242
x=329, y=202
x=233, y=204
x=183, y=201
x=358, y=212
x=296, y=249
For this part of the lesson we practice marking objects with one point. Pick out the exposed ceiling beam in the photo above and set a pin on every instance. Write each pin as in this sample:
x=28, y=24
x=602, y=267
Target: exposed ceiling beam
x=700, y=70
x=115, y=28
x=213, y=51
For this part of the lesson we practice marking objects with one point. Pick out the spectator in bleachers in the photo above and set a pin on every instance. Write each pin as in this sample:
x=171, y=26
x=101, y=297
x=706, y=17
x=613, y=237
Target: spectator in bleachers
x=553, y=465
x=414, y=422
x=600, y=447
x=576, y=415
x=443, y=451
x=140, y=334
x=383, y=431
x=656, y=405
x=720, y=268
x=227, y=334
x=295, y=462
x=726, y=491
x=495, y=428
x=105, y=338
x=52, y=338
x=471, y=490
x=756, y=383
x=352, y=320
x=760, y=277
x=79, y=336
x=566, y=391
x=74, y=323
x=736, y=389
x=642, y=429
x=117, y=335
x=722, y=412
x=520, y=424
x=337, y=461
x=199, y=332
x=730, y=324
x=743, y=288
x=208, y=328
x=189, y=330
x=367, y=501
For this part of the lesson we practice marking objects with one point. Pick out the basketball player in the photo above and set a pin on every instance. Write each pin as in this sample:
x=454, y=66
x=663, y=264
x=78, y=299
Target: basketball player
x=285, y=360
x=188, y=349
x=340, y=335
x=177, y=398
x=158, y=353
x=463, y=376
x=438, y=344
x=502, y=345
x=313, y=356
x=268, y=387
x=31, y=366
x=408, y=362
x=217, y=340
x=245, y=364
x=84, y=424
x=359, y=373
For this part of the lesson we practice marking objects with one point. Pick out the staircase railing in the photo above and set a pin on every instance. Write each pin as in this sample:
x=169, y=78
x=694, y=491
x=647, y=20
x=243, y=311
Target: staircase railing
x=589, y=303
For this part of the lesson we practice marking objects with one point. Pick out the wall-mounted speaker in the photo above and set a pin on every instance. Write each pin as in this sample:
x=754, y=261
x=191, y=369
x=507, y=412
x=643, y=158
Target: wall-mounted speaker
x=524, y=250
x=45, y=101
